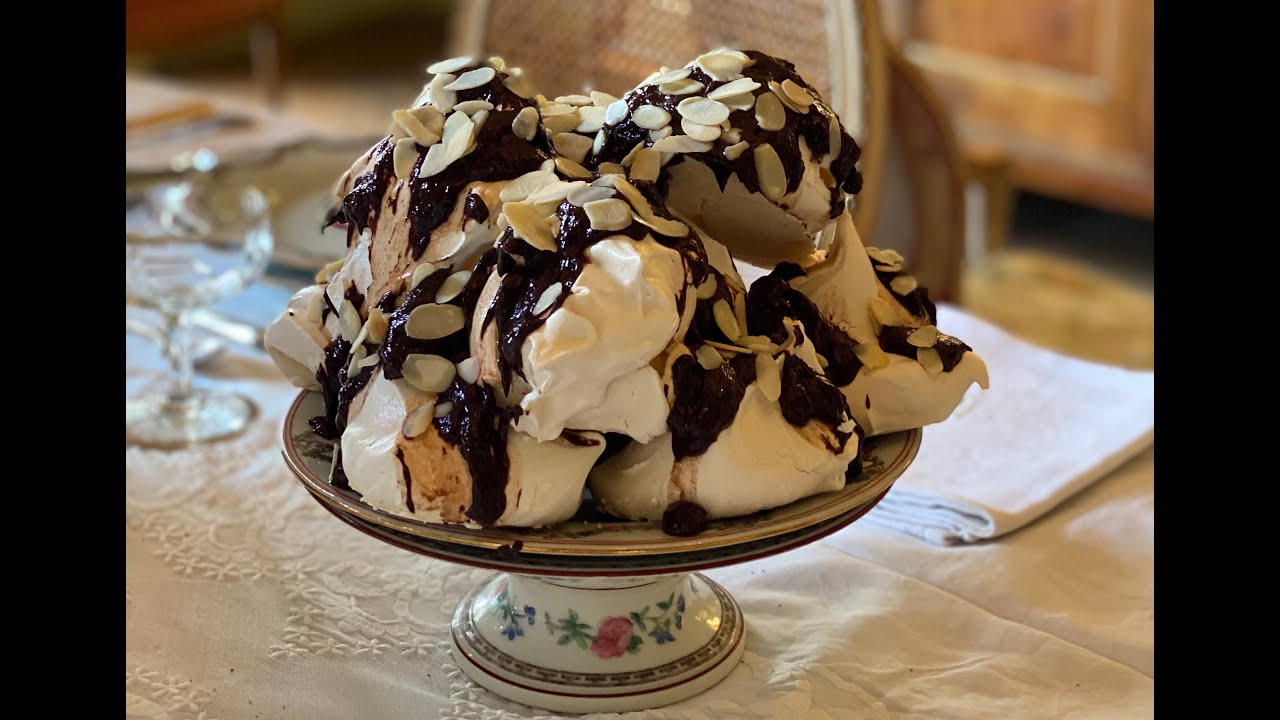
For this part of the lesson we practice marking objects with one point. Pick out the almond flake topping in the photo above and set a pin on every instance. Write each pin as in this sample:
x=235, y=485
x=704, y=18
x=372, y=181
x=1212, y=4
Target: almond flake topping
x=770, y=114
x=348, y=320
x=472, y=79
x=450, y=65
x=680, y=87
x=574, y=147
x=580, y=196
x=525, y=124
x=646, y=166
x=737, y=87
x=548, y=298
x=572, y=169
x=703, y=111
x=681, y=144
x=930, y=359
x=770, y=173
x=471, y=107
x=415, y=128
x=525, y=185
x=420, y=273
x=430, y=321
x=726, y=320
x=733, y=152
x=923, y=337
x=443, y=409
x=609, y=214
x=418, y=421
x=882, y=311
x=651, y=117
x=871, y=355
x=404, y=157
x=708, y=358
x=903, y=285
x=428, y=373
x=469, y=370
x=453, y=286
x=526, y=222
x=602, y=99
x=769, y=377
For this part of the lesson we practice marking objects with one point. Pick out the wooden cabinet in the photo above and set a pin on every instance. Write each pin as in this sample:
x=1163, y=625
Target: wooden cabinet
x=1062, y=88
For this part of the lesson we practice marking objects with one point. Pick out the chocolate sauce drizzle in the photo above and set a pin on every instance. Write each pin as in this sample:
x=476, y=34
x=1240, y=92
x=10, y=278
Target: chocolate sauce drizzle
x=478, y=428
x=916, y=302
x=807, y=395
x=813, y=126
x=706, y=401
x=893, y=339
x=771, y=299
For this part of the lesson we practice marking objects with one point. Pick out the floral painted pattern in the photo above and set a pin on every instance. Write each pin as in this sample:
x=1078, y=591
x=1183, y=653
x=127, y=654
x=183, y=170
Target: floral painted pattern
x=511, y=615
x=617, y=635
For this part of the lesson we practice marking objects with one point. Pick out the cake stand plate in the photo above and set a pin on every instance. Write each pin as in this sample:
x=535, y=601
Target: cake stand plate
x=598, y=615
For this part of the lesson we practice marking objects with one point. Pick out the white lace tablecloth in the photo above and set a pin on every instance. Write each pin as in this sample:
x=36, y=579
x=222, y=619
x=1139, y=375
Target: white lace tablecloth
x=245, y=599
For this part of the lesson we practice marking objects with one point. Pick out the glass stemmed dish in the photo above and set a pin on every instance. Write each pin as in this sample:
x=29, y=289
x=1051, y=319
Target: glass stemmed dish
x=191, y=243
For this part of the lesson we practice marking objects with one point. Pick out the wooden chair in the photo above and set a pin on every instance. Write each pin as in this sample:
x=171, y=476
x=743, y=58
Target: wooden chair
x=159, y=25
x=838, y=46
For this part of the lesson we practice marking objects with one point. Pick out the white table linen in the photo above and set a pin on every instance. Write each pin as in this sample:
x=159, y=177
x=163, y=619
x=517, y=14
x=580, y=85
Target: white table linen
x=245, y=599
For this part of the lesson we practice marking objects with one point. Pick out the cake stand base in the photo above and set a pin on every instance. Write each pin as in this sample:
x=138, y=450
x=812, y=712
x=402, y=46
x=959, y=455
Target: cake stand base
x=598, y=644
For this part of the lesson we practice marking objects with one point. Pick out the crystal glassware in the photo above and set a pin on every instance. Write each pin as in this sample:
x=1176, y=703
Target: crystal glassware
x=191, y=243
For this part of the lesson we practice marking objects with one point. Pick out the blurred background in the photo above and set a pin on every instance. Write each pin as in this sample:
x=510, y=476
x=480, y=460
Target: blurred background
x=1012, y=139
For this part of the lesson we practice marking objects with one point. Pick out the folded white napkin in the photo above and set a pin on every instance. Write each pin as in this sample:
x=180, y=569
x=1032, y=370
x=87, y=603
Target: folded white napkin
x=1049, y=426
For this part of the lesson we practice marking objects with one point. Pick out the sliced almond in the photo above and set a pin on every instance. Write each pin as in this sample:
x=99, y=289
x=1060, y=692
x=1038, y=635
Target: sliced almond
x=722, y=65
x=598, y=144
x=757, y=343
x=376, y=326
x=651, y=117
x=591, y=119
x=348, y=320
x=822, y=360
x=684, y=86
x=415, y=128
x=740, y=312
x=452, y=286
x=670, y=76
x=737, y=87
x=631, y=155
x=744, y=102
x=472, y=79
x=469, y=370
x=557, y=124
x=930, y=359
x=708, y=358
x=732, y=136
x=518, y=83
x=882, y=311
x=431, y=321
x=404, y=157
x=442, y=99
x=450, y=65
x=353, y=362
x=770, y=173
x=725, y=320
x=733, y=152
x=443, y=409
x=904, y=285
x=526, y=124
x=781, y=94
x=834, y=139
x=797, y=94
x=703, y=111
x=369, y=361
x=525, y=185
x=573, y=100
x=644, y=211
x=428, y=373
x=770, y=114
x=434, y=163
x=646, y=166
x=575, y=147
x=681, y=144
x=656, y=135
x=471, y=107
x=698, y=131
x=707, y=288
x=602, y=99
x=608, y=168
x=583, y=194
x=569, y=168
x=327, y=271
x=769, y=377
x=615, y=112
x=418, y=421
x=527, y=224
x=361, y=337
x=548, y=298
x=871, y=355
x=610, y=214
x=498, y=64
x=923, y=337
x=458, y=134
x=549, y=198
x=315, y=309
x=888, y=256
x=420, y=273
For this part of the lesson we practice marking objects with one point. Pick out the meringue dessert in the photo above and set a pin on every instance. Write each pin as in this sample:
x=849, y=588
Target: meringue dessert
x=539, y=297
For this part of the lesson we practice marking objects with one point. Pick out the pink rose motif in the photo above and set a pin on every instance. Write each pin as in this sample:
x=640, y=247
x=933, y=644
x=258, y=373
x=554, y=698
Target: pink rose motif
x=613, y=637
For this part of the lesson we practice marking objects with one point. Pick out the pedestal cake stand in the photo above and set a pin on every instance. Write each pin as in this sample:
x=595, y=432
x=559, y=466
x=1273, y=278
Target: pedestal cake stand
x=595, y=614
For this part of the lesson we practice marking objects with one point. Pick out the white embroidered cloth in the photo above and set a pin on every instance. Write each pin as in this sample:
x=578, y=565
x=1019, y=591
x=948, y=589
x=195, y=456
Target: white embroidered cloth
x=1048, y=427
x=245, y=599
